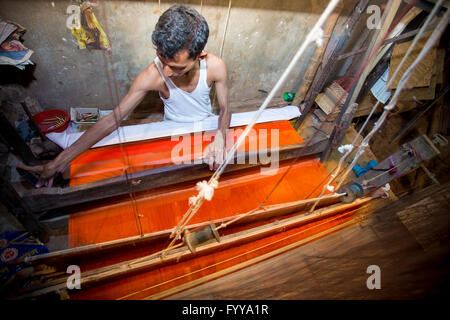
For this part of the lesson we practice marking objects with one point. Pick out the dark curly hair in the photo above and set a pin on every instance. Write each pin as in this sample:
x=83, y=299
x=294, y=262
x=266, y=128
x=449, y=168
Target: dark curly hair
x=180, y=28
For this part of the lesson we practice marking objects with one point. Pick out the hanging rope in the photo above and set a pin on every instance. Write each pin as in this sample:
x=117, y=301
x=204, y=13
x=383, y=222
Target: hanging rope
x=313, y=36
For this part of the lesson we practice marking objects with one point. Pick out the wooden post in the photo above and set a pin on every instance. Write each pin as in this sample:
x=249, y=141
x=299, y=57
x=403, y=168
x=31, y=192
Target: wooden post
x=339, y=130
x=404, y=37
x=405, y=129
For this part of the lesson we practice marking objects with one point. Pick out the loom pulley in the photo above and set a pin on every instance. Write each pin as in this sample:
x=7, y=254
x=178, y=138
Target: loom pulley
x=353, y=191
x=196, y=238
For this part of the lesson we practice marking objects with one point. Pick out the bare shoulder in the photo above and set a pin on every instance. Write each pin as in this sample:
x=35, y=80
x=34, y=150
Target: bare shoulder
x=214, y=62
x=216, y=66
x=149, y=79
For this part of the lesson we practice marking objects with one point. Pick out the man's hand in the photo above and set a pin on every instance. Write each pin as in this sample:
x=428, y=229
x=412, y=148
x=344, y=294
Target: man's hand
x=215, y=152
x=46, y=173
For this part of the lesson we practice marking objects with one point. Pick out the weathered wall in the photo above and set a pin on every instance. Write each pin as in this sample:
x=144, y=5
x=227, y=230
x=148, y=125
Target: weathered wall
x=261, y=38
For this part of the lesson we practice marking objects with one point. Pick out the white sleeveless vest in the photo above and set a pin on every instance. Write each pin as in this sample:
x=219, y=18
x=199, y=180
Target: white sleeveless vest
x=185, y=106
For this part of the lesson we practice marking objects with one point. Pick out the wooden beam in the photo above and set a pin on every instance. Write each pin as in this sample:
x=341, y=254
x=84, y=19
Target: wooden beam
x=427, y=6
x=339, y=130
x=39, y=200
x=323, y=74
x=271, y=254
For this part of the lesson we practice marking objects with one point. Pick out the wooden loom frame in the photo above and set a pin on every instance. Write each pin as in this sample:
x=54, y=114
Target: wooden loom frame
x=39, y=200
x=194, y=170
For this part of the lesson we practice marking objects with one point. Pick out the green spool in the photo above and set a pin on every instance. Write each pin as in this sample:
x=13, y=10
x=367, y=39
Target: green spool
x=289, y=96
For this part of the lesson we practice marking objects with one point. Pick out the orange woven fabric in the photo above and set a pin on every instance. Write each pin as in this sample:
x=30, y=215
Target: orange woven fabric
x=162, y=208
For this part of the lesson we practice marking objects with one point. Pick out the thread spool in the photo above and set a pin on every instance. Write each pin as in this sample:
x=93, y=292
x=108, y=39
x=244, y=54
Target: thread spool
x=352, y=191
x=196, y=238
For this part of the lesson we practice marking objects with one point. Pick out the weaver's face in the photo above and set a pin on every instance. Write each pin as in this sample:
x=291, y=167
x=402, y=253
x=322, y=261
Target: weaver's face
x=178, y=66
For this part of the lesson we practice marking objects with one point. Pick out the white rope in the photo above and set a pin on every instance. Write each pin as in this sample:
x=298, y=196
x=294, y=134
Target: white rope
x=346, y=148
x=205, y=190
x=196, y=201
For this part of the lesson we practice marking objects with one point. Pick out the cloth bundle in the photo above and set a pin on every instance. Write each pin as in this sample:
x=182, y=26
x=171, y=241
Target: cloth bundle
x=12, y=50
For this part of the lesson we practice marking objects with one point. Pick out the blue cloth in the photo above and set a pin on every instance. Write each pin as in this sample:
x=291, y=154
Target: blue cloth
x=14, y=57
x=359, y=171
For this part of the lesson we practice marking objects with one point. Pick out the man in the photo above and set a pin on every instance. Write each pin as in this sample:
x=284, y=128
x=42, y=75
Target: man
x=182, y=73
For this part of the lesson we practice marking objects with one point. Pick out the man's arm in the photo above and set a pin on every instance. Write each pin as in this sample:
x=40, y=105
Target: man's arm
x=142, y=84
x=222, y=99
x=217, y=149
